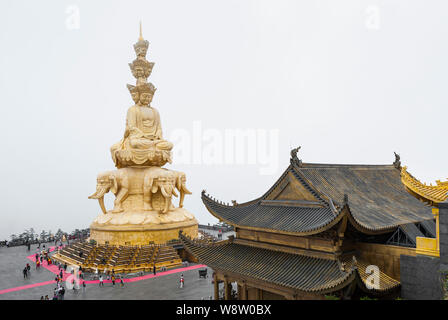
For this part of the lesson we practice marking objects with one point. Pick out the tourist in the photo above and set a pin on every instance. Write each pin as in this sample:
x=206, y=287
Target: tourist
x=41, y=297
x=101, y=281
x=113, y=280
x=182, y=280
x=55, y=296
x=83, y=286
x=62, y=291
x=154, y=269
x=121, y=281
x=37, y=264
x=61, y=274
x=46, y=297
x=28, y=269
x=65, y=266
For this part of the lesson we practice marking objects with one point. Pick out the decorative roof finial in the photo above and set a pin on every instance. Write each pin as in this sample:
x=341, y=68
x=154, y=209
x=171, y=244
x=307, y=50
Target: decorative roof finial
x=397, y=162
x=294, y=159
x=141, y=34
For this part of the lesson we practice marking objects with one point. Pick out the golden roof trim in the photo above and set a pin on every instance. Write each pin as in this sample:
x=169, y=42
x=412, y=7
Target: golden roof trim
x=428, y=193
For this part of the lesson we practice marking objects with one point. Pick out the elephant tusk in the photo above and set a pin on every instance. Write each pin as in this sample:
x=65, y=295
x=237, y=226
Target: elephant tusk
x=101, y=202
x=100, y=192
x=164, y=193
x=94, y=196
x=184, y=189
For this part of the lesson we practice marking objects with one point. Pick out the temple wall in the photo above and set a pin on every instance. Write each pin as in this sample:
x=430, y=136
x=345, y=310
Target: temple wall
x=137, y=237
x=286, y=240
x=386, y=257
x=420, y=278
x=423, y=277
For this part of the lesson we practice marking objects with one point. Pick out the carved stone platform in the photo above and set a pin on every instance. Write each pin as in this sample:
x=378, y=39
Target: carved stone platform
x=141, y=228
x=150, y=157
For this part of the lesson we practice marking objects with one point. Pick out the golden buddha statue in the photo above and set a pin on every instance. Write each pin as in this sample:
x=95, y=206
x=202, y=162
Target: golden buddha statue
x=142, y=144
x=143, y=210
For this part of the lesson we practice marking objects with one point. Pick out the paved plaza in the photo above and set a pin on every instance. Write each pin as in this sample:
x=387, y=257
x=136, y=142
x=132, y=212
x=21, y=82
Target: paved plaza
x=164, y=285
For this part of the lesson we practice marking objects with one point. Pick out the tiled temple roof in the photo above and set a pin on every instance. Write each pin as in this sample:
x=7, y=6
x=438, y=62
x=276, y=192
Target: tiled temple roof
x=285, y=269
x=376, y=197
x=430, y=194
x=273, y=216
x=294, y=271
x=377, y=201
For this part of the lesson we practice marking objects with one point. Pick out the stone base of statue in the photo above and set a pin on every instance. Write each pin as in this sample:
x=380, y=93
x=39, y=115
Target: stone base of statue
x=149, y=157
x=143, y=210
x=142, y=228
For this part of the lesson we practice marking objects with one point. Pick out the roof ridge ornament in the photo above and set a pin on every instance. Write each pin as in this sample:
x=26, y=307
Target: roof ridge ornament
x=294, y=159
x=397, y=162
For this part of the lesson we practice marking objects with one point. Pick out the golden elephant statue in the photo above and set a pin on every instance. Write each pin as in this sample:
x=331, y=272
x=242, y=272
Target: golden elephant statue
x=115, y=181
x=159, y=179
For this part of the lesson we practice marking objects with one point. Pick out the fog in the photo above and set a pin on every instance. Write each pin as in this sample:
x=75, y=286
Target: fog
x=348, y=81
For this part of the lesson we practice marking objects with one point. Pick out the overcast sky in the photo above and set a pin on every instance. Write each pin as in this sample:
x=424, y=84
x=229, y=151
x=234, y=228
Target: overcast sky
x=349, y=81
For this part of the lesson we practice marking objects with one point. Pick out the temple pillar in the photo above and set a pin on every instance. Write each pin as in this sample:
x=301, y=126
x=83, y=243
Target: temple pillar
x=226, y=288
x=442, y=234
x=216, y=286
x=242, y=295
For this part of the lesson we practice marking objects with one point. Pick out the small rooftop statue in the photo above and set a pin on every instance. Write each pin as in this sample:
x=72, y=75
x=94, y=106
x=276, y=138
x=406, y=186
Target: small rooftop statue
x=294, y=159
x=397, y=162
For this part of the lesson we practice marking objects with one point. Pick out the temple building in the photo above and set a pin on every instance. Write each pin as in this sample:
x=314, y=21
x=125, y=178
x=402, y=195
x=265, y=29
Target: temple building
x=322, y=229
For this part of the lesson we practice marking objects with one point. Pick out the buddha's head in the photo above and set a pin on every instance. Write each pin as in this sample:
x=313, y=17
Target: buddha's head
x=141, y=68
x=146, y=93
x=141, y=47
x=146, y=98
x=134, y=93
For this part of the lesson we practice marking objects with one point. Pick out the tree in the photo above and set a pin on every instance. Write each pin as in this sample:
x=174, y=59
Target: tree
x=59, y=234
x=43, y=236
x=30, y=234
x=24, y=236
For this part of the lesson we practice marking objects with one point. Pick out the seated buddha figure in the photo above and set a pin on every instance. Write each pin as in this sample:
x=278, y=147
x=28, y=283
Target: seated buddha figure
x=142, y=144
